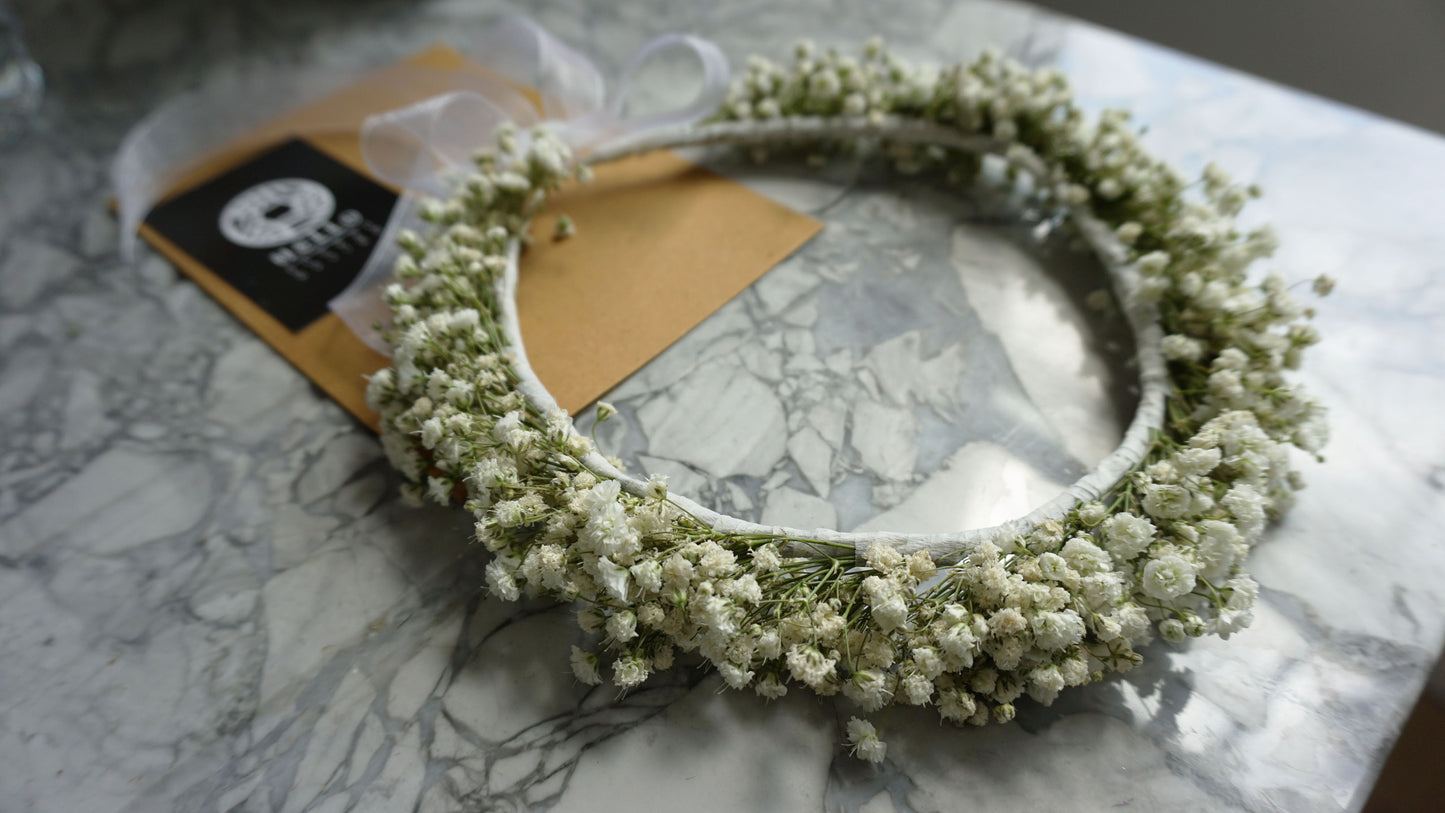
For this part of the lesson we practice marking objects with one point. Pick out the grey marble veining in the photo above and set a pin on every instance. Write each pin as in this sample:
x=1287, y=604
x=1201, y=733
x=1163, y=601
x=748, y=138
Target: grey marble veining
x=927, y=363
x=211, y=599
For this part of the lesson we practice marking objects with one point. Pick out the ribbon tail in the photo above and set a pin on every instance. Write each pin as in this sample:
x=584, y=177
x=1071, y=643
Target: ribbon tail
x=170, y=141
x=518, y=47
x=360, y=305
x=414, y=147
x=591, y=131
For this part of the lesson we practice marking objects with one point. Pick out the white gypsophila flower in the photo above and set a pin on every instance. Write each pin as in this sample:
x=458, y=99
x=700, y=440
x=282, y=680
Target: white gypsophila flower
x=546, y=565
x=439, y=489
x=629, y=671
x=877, y=652
x=1227, y=384
x=1052, y=566
x=769, y=644
x=927, y=661
x=608, y=531
x=1167, y=501
x=500, y=581
x=864, y=739
x=437, y=381
x=1045, y=683
x=871, y=689
x=1220, y=546
x=1126, y=536
x=465, y=319
x=1247, y=506
x=884, y=600
x=809, y=666
x=1243, y=592
x=715, y=561
x=960, y=642
x=1182, y=348
x=650, y=615
x=459, y=392
x=585, y=666
x=614, y=578
x=599, y=495
x=378, y=386
x=1313, y=433
x=1238, y=610
x=1231, y=358
x=1084, y=556
x=1093, y=513
x=735, y=676
x=1226, y=622
x=558, y=423
x=1162, y=471
x=1101, y=591
x=766, y=558
x=622, y=626
x=1133, y=623
x=657, y=487
x=745, y=589
x=921, y=566
x=509, y=513
x=890, y=612
x=957, y=705
x=1057, y=630
x=431, y=432
x=1172, y=630
x=770, y=687
x=1074, y=671
x=1153, y=263
x=677, y=572
x=882, y=558
x=828, y=624
x=1008, y=621
x=1196, y=462
x=1168, y=577
x=508, y=430
x=647, y=574
x=402, y=455
x=715, y=613
x=915, y=689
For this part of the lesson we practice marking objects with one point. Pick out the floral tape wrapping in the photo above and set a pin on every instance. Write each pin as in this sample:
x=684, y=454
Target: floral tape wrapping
x=1053, y=603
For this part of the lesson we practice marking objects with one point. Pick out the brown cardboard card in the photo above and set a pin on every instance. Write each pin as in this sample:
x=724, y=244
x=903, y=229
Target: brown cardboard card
x=657, y=249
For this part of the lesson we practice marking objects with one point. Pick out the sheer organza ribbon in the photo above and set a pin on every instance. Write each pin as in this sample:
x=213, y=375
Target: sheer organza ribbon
x=420, y=146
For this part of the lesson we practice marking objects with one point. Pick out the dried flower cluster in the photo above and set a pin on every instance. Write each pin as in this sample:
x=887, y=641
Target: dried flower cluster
x=1060, y=607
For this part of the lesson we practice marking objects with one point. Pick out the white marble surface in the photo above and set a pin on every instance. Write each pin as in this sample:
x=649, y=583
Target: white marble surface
x=213, y=601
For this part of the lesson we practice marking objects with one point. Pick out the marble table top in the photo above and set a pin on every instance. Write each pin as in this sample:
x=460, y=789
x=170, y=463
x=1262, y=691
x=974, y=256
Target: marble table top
x=211, y=598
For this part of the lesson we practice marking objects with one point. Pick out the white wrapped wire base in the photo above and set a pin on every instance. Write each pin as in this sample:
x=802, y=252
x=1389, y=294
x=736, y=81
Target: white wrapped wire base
x=1154, y=379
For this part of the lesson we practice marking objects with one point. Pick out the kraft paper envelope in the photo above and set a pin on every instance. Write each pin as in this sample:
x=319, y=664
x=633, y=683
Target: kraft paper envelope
x=660, y=245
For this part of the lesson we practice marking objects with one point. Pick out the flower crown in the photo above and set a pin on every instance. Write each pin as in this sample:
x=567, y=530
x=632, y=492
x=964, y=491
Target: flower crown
x=1154, y=539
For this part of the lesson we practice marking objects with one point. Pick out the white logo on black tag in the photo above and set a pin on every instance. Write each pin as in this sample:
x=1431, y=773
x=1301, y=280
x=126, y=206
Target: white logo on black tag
x=276, y=212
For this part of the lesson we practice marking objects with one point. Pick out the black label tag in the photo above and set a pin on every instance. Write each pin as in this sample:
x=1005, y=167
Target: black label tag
x=289, y=229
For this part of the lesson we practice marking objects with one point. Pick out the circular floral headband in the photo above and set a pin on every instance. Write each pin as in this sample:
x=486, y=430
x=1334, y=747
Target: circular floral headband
x=1154, y=539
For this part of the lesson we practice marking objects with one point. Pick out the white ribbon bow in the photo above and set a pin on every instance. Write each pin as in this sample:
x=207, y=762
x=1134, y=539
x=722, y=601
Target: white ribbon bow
x=413, y=145
x=418, y=146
